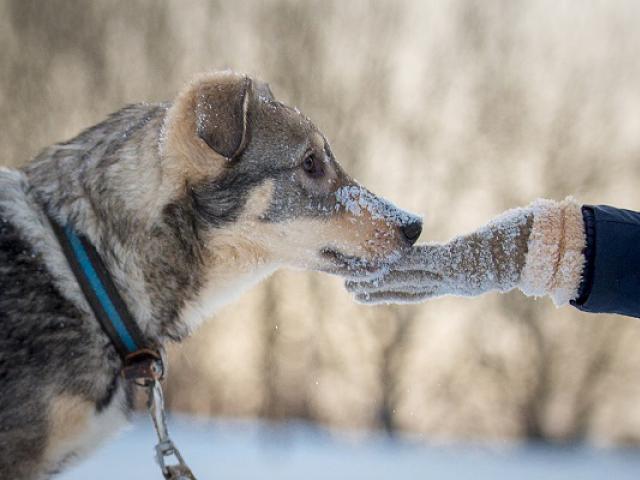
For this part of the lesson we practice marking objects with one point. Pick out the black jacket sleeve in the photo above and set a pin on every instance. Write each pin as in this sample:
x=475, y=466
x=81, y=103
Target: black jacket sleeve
x=611, y=276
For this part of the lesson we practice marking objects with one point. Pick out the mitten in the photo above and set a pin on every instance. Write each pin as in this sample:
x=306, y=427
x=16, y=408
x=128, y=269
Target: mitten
x=538, y=249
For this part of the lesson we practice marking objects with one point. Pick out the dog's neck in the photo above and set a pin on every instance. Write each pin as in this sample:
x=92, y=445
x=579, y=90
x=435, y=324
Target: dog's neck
x=147, y=236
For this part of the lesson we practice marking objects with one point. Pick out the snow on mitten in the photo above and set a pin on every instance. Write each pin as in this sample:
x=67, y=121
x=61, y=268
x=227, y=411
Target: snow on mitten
x=538, y=249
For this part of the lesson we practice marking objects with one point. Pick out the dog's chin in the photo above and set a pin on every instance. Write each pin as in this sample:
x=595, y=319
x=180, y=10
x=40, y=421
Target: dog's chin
x=353, y=267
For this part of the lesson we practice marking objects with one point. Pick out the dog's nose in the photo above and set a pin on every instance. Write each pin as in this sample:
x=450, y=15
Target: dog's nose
x=412, y=231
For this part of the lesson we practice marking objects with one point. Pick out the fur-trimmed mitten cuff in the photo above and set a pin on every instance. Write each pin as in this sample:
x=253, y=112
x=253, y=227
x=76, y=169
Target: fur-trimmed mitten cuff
x=555, y=258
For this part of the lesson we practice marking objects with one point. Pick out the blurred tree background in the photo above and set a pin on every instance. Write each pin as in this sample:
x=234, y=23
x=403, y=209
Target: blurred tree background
x=457, y=110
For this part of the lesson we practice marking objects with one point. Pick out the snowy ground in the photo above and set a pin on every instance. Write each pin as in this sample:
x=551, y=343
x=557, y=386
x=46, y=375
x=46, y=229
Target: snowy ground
x=252, y=450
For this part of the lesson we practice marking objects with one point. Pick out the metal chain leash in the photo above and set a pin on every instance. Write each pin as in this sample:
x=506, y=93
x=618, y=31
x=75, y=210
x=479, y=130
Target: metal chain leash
x=147, y=373
x=165, y=449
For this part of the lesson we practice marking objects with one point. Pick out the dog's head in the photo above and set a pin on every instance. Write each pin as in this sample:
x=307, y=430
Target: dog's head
x=267, y=188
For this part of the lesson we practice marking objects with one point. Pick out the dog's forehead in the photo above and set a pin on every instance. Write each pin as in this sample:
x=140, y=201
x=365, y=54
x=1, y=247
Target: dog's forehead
x=291, y=118
x=317, y=140
x=282, y=133
x=305, y=131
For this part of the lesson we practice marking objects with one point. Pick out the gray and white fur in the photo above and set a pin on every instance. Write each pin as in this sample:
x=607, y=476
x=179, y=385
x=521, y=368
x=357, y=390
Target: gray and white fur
x=188, y=203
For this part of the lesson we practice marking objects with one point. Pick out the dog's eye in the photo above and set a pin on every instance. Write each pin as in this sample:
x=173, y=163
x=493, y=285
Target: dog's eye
x=312, y=166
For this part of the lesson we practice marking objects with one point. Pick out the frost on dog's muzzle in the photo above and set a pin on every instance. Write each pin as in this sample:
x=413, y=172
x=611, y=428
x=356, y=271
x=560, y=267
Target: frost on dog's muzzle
x=357, y=201
x=378, y=232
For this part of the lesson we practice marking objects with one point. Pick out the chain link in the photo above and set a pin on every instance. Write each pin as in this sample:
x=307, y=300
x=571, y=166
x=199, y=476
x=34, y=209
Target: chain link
x=165, y=449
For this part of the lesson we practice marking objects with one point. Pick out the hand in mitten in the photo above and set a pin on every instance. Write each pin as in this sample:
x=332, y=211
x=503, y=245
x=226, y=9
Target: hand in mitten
x=538, y=249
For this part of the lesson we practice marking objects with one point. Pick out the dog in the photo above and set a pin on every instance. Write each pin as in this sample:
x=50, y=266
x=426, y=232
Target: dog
x=188, y=203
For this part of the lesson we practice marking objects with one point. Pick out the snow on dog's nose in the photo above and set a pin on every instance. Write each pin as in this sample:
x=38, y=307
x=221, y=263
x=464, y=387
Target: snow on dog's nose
x=359, y=201
x=385, y=229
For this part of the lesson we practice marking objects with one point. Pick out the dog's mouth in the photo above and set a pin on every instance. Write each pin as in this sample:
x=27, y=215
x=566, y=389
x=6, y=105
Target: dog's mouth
x=353, y=266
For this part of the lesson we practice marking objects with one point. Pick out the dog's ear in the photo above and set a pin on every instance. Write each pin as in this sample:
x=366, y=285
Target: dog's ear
x=221, y=114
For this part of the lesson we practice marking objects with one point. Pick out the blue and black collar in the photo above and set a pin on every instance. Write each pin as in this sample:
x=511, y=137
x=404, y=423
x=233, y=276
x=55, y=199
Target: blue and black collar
x=142, y=360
